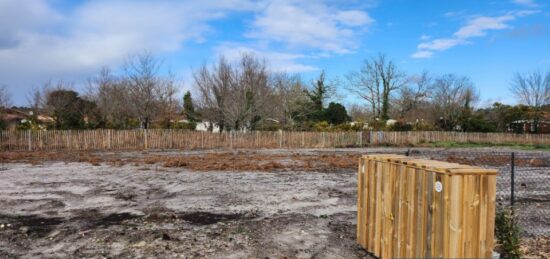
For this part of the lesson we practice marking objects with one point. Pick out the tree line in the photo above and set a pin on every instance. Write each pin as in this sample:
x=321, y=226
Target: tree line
x=246, y=95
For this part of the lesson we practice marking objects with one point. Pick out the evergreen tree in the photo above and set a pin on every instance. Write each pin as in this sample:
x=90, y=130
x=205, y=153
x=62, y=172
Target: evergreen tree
x=336, y=114
x=189, y=108
x=317, y=97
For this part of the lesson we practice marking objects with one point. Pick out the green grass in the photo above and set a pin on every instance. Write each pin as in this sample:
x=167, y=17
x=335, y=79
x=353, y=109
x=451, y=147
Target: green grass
x=449, y=144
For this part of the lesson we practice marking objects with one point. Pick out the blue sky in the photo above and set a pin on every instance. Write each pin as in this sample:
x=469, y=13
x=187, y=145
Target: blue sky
x=71, y=40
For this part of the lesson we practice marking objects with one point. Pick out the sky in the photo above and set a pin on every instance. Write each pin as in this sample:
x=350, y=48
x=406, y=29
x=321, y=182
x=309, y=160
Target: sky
x=486, y=40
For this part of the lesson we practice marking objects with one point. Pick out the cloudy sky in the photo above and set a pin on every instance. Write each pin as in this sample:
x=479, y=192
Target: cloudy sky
x=487, y=40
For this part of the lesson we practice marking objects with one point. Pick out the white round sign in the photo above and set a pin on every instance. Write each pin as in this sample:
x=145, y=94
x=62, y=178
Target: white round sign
x=438, y=187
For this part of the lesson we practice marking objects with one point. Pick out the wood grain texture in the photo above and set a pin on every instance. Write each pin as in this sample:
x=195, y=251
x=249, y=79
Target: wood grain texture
x=409, y=208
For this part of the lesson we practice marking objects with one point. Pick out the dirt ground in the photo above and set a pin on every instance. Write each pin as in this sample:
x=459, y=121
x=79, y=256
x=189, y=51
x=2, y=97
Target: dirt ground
x=245, y=204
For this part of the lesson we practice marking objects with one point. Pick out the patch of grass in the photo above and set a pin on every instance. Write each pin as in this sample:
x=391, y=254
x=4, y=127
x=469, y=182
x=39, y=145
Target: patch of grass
x=451, y=144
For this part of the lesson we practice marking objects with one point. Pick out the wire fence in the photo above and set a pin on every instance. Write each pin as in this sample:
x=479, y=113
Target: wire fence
x=523, y=182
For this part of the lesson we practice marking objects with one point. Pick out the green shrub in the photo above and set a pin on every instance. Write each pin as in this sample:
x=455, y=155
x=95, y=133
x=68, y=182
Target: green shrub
x=184, y=125
x=507, y=233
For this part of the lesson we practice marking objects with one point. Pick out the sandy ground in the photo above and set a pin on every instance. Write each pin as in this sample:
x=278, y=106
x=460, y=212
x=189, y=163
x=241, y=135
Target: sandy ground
x=196, y=204
x=81, y=210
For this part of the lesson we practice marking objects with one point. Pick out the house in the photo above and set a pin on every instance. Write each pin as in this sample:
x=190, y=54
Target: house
x=205, y=126
x=16, y=116
x=528, y=126
x=12, y=118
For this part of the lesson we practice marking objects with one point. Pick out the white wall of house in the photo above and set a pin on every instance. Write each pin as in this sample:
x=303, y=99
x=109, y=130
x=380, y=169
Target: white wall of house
x=203, y=126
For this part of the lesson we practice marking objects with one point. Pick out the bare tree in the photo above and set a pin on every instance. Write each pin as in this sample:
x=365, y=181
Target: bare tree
x=148, y=91
x=234, y=96
x=5, y=101
x=414, y=96
x=249, y=94
x=453, y=96
x=36, y=99
x=111, y=95
x=214, y=88
x=289, y=99
x=5, y=97
x=358, y=113
x=375, y=82
x=532, y=89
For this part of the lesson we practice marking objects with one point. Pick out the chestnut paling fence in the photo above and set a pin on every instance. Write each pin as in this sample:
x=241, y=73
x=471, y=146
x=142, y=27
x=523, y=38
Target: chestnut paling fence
x=139, y=139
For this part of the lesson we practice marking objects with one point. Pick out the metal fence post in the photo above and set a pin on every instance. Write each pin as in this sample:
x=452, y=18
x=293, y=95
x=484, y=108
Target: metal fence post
x=512, y=178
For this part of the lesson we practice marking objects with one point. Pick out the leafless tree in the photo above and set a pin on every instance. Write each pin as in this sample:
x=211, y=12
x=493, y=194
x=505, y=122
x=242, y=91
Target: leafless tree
x=214, y=88
x=375, y=82
x=359, y=113
x=414, y=96
x=234, y=96
x=5, y=97
x=532, y=89
x=111, y=95
x=289, y=99
x=250, y=95
x=453, y=95
x=148, y=91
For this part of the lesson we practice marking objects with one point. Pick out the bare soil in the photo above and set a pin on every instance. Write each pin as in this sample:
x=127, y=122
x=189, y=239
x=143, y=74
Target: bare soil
x=165, y=205
x=193, y=204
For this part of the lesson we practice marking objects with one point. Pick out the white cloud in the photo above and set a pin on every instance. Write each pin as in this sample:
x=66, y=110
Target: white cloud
x=278, y=61
x=475, y=27
x=425, y=37
x=39, y=43
x=310, y=24
x=441, y=44
x=479, y=26
x=422, y=54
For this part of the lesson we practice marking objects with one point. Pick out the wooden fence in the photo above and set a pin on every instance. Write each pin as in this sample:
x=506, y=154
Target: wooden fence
x=183, y=139
x=411, y=208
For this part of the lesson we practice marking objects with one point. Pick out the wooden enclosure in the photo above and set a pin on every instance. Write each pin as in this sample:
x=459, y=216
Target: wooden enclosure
x=414, y=208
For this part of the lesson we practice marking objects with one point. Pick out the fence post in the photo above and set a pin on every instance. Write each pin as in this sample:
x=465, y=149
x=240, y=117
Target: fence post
x=202, y=139
x=280, y=138
x=513, y=178
x=145, y=138
x=30, y=141
x=231, y=139
x=109, y=139
x=360, y=135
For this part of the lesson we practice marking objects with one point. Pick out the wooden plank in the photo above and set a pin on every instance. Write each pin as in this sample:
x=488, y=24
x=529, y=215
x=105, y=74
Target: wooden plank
x=455, y=218
x=411, y=212
x=364, y=201
x=378, y=210
x=371, y=222
x=403, y=203
x=430, y=212
x=490, y=228
x=396, y=210
x=421, y=212
x=467, y=215
x=360, y=209
x=483, y=216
